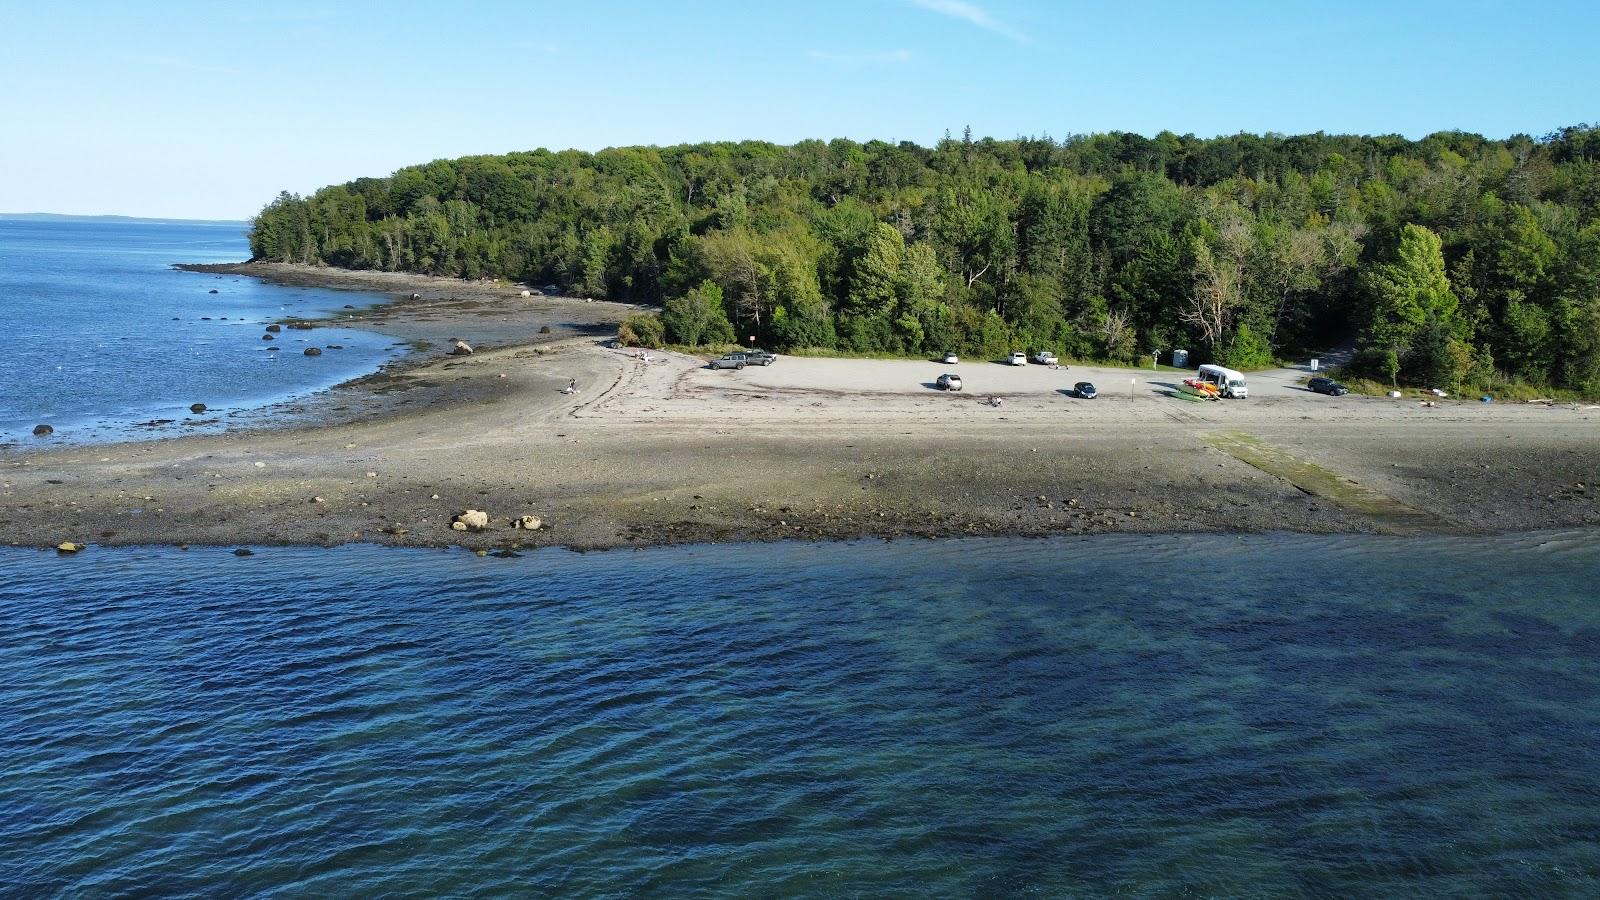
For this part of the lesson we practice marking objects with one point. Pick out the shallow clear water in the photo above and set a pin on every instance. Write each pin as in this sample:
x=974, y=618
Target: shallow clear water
x=1243, y=716
x=102, y=334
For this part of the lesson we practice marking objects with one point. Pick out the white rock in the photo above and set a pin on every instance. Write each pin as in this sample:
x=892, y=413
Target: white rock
x=527, y=523
x=471, y=520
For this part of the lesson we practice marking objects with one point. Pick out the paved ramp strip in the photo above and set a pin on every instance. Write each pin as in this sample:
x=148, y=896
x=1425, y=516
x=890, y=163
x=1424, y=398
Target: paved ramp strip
x=1389, y=514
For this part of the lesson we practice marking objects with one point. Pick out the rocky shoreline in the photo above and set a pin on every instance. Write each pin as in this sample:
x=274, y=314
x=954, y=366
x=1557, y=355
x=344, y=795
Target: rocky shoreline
x=665, y=452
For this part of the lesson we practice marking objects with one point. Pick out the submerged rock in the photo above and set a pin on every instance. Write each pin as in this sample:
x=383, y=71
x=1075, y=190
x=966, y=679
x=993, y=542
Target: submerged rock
x=42, y=430
x=268, y=337
x=69, y=547
x=197, y=407
x=458, y=347
x=313, y=351
x=274, y=328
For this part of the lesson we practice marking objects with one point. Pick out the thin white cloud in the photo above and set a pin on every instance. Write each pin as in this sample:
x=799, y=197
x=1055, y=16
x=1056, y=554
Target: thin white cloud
x=973, y=14
x=541, y=46
x=870, y=57
x=185, y=65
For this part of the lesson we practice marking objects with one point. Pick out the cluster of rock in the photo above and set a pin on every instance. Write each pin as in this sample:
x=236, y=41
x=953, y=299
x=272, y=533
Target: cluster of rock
x=478, y=520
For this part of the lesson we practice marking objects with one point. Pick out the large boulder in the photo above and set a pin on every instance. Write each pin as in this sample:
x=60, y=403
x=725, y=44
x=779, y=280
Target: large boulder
x=470, y=520
x=42, y=430
x=69, y=547
x=526, y=294
x=197, y=407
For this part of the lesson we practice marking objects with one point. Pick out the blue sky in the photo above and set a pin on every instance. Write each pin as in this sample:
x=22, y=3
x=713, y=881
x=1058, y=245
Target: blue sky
x=209, y=109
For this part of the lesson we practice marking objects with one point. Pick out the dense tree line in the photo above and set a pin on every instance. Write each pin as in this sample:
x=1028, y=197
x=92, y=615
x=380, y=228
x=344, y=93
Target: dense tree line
x=1448, y=259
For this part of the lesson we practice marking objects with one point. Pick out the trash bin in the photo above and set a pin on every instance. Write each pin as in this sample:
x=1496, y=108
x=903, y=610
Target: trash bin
x=1180, y=359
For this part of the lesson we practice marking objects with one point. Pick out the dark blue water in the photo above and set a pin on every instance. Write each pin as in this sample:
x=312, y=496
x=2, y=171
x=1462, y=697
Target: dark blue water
x=1159, y=716
x=102, y=334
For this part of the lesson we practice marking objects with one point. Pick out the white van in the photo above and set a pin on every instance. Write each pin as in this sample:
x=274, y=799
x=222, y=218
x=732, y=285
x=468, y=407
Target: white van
x=1229, y=383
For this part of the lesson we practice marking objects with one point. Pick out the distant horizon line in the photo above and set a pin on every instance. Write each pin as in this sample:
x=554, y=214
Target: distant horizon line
x=117, y=217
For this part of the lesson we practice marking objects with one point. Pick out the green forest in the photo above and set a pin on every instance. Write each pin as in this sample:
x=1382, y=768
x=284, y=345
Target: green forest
x=1449, y=260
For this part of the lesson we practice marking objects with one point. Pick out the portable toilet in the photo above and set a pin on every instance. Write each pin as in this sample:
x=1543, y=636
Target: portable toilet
x=1180, y=359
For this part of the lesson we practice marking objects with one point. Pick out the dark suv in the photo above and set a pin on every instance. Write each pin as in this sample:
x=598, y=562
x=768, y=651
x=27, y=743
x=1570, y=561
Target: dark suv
x=760, y=357
x=1327, y=386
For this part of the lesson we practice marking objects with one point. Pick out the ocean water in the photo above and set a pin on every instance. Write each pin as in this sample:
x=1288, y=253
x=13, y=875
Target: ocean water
x=1270, y=716
x=102, y=334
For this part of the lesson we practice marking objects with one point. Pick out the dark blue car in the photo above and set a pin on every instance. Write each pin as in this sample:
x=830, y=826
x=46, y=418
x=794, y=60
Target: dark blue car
x=1084, y=391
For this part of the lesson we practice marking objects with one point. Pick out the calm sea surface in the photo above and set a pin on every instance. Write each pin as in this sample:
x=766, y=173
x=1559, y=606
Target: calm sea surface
x=1158, y=716
x=101, y=334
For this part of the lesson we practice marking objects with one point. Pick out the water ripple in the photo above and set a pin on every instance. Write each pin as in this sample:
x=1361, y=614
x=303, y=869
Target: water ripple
x=1260, y=716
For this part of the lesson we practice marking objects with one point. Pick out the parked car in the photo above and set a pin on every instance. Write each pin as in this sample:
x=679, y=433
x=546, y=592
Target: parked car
x=1019, y=358
x=731, y=361
x=949, y=381
x=1084, y=391
x=1045, y=358
x=1328, y=386
x=760, y=357
x=951, y=359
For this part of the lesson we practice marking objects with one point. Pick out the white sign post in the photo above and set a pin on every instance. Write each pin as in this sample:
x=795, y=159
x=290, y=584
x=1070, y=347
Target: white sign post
x=1314, y=363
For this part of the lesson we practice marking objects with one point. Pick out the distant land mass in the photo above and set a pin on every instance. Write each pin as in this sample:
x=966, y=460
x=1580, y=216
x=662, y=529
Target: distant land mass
x=130, y=220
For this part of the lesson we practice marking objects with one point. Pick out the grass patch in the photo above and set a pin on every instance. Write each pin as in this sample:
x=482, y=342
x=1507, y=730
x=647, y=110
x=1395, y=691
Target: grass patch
x=1503, y=390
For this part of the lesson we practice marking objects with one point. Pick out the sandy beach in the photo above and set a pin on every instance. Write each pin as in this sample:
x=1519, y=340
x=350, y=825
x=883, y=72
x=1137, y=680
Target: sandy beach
x=669, y=451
